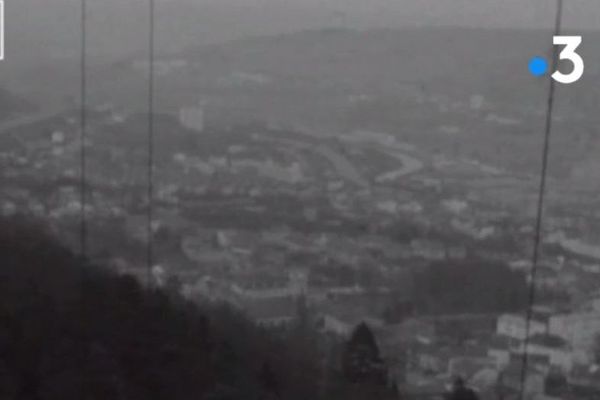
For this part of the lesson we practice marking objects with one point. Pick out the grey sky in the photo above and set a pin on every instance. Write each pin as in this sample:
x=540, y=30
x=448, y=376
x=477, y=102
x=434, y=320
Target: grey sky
x=118, y=27
x=481, y=13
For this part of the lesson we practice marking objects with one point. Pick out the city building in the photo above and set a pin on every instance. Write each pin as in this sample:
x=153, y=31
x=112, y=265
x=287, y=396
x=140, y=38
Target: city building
x=515, y=326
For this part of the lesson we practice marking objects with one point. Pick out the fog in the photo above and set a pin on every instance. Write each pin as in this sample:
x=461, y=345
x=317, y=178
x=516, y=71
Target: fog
x=45, y=34
x=118, y=27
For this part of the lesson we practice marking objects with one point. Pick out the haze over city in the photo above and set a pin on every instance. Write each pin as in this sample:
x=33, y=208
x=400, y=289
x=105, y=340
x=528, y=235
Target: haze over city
x=292, y=200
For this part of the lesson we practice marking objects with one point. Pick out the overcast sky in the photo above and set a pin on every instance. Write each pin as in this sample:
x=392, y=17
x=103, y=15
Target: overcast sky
x=119, y=26
x=482, y=13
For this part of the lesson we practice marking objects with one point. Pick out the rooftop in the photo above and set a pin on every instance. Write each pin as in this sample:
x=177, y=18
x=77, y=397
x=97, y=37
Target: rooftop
x=552, y=341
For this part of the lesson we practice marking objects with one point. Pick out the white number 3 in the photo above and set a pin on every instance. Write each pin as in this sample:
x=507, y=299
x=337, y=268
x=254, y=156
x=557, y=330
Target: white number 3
x=568, y=53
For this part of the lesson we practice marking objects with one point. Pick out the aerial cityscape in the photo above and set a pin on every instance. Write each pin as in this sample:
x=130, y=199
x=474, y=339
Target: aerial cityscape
x=331, y=186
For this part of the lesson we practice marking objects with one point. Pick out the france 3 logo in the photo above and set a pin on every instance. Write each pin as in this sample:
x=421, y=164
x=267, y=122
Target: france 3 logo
x=539, y=66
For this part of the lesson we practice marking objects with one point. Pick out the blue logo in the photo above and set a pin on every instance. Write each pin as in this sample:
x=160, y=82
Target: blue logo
x=538, y=66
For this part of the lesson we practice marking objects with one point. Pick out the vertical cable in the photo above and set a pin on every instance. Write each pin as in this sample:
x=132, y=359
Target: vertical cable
x=150, y=177
x=83, y=129
x=540, y=203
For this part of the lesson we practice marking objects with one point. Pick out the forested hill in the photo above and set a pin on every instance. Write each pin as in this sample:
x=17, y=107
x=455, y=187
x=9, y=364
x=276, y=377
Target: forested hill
x=72, y=331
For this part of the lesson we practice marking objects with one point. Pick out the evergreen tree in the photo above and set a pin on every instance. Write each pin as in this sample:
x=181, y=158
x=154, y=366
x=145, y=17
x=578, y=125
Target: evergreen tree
x=361, y=362
x=269, y=382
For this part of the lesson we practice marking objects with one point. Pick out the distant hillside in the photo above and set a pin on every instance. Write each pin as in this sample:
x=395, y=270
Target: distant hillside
x=458, y=61
x=415, y=83
x=43, y=35
x=314, y=74
x=451, y=62
x=493, y=61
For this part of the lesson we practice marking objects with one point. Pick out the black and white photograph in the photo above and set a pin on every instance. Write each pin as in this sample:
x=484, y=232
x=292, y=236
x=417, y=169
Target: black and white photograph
x=300, y=200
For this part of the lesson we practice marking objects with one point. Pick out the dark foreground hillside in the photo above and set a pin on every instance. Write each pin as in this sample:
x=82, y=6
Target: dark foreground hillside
x=72, y=331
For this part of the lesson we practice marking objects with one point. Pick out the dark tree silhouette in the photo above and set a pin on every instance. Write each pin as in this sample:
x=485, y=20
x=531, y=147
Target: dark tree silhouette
x=461, y=392
x=269, y=382
x=69, y=330
x=361, y=362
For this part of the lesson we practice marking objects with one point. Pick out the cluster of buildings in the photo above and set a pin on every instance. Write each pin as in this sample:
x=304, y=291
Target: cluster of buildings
x=273, y=273
x=488, y=351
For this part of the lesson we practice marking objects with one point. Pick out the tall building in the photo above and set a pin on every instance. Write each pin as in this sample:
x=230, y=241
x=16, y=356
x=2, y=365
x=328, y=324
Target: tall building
x=192, y=117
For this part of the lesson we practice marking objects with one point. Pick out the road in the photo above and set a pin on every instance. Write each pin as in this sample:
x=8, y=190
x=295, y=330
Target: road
x=410, y=165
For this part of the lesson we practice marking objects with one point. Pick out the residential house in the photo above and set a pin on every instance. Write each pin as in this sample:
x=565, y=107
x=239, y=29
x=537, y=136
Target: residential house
x=510, y=380
x=273, y=311
x=555, y=348
x=515, y=326
x=500, y=349
x=580, y=330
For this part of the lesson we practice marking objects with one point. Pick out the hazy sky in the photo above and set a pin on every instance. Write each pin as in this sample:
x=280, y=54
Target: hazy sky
x=118, y=27
x=483, y=13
